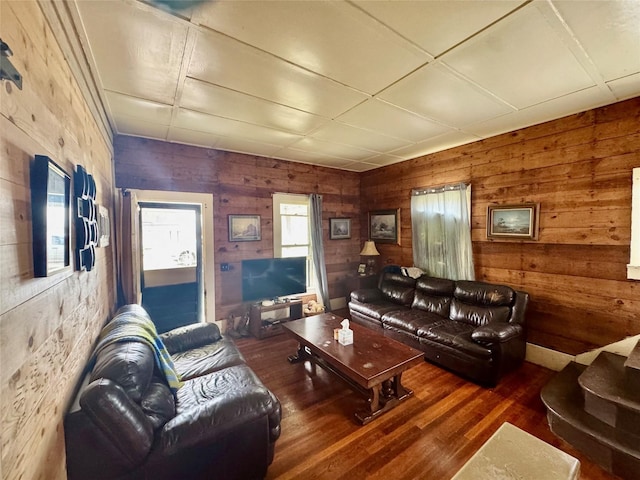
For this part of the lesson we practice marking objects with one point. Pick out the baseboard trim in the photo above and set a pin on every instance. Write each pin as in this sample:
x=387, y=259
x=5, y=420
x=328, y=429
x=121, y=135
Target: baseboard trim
x=545, y=357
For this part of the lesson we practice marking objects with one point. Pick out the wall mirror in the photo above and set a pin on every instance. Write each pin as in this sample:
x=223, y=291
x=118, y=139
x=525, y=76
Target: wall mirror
x=50, y=197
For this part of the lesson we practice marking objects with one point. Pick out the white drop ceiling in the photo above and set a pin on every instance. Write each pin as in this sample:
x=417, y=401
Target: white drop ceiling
x=355, y=85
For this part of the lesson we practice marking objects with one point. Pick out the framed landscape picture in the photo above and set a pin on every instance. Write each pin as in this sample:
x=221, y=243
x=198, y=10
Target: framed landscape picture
x=384, y=226
x=339, y=228
x=244, y=228
x=513, y=221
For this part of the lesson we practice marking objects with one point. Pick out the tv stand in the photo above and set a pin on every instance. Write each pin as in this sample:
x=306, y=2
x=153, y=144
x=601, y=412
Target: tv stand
x=262, y=326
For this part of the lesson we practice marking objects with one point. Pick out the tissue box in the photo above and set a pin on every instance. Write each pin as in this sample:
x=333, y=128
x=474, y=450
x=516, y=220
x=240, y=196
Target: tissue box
x=345, y=336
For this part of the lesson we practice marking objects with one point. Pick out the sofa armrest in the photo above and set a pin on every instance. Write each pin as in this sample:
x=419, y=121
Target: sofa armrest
x=119, y=418
x=190, y=336
x=209, y=421
x=496, y=332
x=366, y=295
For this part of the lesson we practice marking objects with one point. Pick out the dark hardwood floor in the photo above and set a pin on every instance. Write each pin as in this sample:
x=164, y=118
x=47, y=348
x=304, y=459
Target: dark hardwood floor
x=430, y=436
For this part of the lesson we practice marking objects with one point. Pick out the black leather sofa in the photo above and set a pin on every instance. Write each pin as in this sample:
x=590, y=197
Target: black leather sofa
x=473, y=328
x=126, y=423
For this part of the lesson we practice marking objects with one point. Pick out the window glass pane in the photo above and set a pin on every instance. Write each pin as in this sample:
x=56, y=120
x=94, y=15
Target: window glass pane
x=295, y=231
x=293, y=209
x=295, y=252
x=169, y=238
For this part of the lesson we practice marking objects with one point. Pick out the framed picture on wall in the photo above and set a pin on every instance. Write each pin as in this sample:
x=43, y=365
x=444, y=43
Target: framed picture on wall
x=384, y=226
x=339, y=228
x=513, y=221
x=244, y=228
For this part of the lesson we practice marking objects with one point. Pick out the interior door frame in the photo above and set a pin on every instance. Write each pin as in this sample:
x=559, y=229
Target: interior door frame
x=205, y=200
x=194, y=207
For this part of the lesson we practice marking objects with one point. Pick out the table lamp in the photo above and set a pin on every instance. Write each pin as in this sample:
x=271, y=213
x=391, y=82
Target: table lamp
x=369, y=250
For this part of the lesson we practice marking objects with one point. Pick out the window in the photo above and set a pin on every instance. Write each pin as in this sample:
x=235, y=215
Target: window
x=291, y=229
x=441, y=226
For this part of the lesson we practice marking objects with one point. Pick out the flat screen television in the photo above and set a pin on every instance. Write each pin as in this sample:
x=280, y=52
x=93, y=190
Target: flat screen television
x=269, y=278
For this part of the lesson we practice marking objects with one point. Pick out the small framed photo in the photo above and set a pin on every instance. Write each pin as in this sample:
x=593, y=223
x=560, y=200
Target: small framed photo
x=362, y=269
x=244, y=228
x=339, y=228
x=384, y=226
x=513, y=221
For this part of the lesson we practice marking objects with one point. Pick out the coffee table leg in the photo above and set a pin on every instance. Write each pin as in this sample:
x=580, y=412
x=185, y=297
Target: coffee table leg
x=383, y=398
x=300, y=356
x=374, y=399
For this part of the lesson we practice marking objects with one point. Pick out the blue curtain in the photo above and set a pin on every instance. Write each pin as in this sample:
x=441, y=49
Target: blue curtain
x=441, y=232
x=315, y=225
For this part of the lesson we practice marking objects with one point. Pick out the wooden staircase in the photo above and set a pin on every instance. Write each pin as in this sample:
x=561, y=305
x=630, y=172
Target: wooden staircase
x=596, y=409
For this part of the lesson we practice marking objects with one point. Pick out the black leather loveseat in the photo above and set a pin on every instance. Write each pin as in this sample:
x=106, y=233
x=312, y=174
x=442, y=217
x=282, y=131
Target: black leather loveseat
x=127, y=423
x=473, y=328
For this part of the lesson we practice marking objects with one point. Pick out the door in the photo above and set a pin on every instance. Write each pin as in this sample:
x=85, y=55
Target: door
x=171, y=267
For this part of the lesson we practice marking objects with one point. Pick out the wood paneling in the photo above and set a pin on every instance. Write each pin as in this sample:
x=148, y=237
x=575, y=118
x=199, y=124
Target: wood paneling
x=244, y=184
x=430, y=436
x=47, y=325
x=579, y=169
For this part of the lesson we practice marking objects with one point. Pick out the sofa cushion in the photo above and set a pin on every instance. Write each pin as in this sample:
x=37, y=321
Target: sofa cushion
x=190, y=336
x=477, y=315
x=455, y=335
x=206, y=359
x=158, y=403
x=375, y=311
x=410, y=320
x=208, y=407
x=479, y=293
x=397, y=288
x=129, y=364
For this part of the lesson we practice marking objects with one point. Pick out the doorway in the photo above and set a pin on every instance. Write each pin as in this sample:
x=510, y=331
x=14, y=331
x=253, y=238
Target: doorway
x=171, y=281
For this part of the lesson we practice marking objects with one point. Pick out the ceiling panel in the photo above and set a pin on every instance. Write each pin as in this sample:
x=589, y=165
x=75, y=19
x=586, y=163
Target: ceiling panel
x=608, y=31
x=590, y=98
x=334, y=39
x=448, y=140
x=202, y=122
x=144, y=110
x=625, y=87
x=133, y=126
x=522, y=60
x=341, y=133
x=192, y=137
x=136, y=51
x=315, y=157
x=391, y=120
x=353, y=84
x=221, y=61
x=437, y=93
x=434, y=25
x=234, y=144
x=223, y=102
x=331, y=149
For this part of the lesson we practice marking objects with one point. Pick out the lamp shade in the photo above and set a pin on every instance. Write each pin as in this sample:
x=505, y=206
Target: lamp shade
x=369, y=249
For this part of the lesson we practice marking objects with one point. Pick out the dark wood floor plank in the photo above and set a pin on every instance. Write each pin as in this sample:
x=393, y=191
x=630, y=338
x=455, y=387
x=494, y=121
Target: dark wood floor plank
x=429, y=436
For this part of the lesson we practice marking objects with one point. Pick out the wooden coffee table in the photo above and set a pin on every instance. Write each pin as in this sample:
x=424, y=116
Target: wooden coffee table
x=372, y=365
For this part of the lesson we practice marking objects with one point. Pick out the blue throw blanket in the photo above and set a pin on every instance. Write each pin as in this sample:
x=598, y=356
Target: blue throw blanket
x=129, y=326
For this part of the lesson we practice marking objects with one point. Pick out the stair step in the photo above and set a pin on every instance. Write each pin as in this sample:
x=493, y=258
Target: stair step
x=632, y=368
x=617, y=451
x=607, y=395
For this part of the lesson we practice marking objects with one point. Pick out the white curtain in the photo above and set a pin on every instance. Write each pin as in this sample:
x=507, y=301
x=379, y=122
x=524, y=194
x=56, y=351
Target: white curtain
x=442, y=232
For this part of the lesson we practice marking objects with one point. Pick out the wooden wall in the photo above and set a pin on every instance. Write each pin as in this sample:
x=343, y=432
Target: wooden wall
x=47, y=325
x=243, y=184
x=579, y=169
